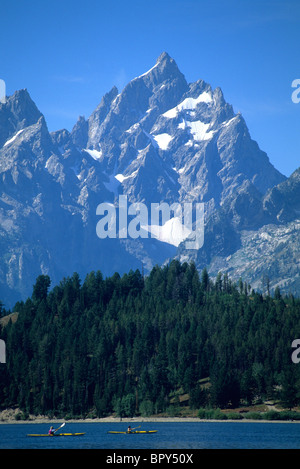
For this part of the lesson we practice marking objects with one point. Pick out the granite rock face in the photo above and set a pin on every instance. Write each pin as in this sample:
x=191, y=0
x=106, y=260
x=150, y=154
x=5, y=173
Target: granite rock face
x=161, y=139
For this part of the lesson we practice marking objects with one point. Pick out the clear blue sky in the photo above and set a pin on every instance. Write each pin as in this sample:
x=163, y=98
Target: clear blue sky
x=69, y=53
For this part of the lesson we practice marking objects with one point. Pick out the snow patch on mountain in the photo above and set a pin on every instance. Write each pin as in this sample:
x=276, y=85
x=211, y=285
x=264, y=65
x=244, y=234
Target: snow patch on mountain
x=188, y=104
x=172, y=232
x=146, y=73
x=11, y=140
x=163, y=140
x=121, y=178
x=95, y=154
x=199, y=130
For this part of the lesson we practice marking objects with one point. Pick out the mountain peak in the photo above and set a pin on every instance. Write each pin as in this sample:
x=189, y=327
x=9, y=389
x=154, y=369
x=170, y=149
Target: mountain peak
x=21, y=101
x=166, y=64
x=163, y=57
x=160, y=140
x=21, y=93
x=164, y=69
x=18, y=112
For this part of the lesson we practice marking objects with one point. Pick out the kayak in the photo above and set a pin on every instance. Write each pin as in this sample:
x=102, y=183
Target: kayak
x=135, y=431
x=56, y=434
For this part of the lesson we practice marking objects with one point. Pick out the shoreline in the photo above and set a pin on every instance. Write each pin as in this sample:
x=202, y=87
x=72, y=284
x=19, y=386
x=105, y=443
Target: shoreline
x=13, y=416
x=113, y=420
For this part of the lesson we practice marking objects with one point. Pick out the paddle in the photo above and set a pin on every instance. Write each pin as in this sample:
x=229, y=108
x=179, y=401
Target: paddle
x=62, y=425
x=135, y=428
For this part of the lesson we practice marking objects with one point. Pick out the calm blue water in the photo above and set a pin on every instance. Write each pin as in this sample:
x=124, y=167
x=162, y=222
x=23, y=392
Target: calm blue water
x=171, y=436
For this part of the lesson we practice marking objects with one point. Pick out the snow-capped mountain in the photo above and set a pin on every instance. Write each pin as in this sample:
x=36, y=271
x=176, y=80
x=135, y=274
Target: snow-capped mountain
x=160, y=139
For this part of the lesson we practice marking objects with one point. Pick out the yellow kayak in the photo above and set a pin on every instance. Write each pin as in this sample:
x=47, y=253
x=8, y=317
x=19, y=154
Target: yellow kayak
x=56, y=434
x=135, y=432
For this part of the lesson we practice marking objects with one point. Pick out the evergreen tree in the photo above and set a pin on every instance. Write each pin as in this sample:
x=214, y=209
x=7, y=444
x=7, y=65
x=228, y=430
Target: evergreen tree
x=128, y=343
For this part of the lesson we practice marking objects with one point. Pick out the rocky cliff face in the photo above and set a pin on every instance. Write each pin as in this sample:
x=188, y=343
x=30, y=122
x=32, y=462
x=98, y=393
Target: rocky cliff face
x=161, y=139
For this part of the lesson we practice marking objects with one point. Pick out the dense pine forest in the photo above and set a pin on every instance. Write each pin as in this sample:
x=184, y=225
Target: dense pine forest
x=131, y=344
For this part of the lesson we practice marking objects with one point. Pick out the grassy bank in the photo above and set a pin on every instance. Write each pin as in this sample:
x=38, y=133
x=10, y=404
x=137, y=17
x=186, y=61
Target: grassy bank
x=217, y=414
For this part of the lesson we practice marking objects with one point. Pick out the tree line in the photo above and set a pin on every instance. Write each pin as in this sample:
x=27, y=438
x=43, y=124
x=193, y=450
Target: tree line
x=129, y=344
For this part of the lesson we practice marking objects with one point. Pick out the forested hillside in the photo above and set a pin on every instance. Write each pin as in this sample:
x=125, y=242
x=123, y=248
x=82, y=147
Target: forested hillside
x=128, y=344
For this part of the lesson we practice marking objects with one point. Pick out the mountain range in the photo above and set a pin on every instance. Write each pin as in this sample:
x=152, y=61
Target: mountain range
x=160, y=139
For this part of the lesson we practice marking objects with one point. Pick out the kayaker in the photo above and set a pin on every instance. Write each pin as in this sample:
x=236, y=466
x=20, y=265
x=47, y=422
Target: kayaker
x=51, y=431
x=129, y=429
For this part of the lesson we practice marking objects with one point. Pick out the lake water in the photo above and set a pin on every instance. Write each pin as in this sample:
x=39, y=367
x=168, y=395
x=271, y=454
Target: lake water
x=170, y=436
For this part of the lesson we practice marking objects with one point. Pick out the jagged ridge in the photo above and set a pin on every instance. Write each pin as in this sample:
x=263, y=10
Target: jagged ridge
x=159, y=139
